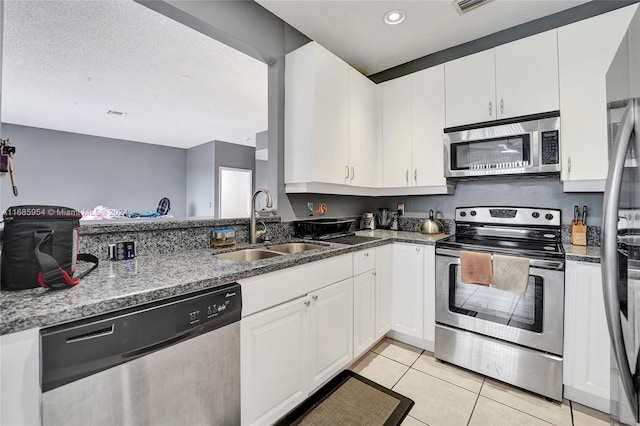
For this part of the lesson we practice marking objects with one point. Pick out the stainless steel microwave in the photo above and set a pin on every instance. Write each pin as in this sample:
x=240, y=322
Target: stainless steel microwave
x=522, y=146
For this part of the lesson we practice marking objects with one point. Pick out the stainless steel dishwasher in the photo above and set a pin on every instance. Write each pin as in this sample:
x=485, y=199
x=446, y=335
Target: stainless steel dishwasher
x=172, y=362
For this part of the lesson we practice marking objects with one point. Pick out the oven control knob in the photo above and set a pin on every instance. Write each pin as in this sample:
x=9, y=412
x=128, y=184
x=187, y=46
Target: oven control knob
x=548, y=216
x=535, y=215
x=463, y=214
x=473, y=213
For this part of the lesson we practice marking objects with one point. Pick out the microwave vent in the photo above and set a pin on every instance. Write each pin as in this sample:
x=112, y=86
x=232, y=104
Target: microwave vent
x=463, y=6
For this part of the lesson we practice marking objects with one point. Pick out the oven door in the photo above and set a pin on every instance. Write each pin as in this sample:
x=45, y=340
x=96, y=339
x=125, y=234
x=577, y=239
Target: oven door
x=534, y=319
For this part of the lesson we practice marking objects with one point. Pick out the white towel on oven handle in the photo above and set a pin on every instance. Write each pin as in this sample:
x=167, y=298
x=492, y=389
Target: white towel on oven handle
x=511, y=273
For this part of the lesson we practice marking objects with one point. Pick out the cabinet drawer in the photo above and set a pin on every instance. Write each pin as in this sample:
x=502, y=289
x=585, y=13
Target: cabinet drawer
x=363, y=261
x=264, y=291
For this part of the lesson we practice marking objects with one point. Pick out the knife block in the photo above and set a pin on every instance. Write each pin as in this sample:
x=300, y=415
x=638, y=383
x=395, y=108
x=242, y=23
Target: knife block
x=578, y=233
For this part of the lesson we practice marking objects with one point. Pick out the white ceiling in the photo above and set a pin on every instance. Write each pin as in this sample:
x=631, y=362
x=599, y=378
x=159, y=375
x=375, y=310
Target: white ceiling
x=66, y=63
x=354, y=29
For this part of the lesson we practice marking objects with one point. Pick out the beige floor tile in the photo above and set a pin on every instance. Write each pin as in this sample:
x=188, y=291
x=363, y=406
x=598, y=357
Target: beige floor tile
x=585, y=416
x=397, y=351
x=448, y=372
x=381, y=370
x=491, y=413
x=436, y=402
x=537, y=406
x=410, y=421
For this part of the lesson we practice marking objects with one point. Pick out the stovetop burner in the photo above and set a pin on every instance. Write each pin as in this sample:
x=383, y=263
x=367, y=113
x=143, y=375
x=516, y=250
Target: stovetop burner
x=519, y=231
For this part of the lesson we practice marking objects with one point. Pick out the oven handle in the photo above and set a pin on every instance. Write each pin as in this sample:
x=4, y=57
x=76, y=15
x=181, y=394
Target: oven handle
x=533, y=263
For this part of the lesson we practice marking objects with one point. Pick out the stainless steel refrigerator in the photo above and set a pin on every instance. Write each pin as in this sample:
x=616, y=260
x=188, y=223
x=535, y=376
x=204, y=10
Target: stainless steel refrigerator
x=621, y=227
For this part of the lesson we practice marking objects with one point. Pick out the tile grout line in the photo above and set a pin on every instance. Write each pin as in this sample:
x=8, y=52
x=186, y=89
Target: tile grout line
x=476, y=403
x=524, y=412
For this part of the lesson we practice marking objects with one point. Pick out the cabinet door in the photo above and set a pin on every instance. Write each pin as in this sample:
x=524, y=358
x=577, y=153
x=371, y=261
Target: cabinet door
x=427, y=124
x=331, y=117
x=585, y=51
x=586, y=336
x=364, y=137
x=383, y=290
x=396, y=132
x=527, y=76
x=429, y=293
x=330, y=331
x=407, y=292
x=274, y=361
x=470, y=88
x=363, y=312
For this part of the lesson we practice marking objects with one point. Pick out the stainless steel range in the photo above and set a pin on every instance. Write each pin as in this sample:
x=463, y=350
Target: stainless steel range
x=512, y=336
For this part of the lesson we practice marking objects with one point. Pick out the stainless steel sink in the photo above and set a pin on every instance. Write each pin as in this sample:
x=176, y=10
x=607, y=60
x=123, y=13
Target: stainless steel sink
x=296, y=247
x=248, y=255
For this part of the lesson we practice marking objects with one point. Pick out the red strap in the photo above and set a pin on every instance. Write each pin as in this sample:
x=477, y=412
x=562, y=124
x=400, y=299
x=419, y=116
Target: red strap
x=68, y=280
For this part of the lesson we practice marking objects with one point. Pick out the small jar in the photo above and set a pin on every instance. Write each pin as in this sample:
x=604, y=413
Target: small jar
x=223, y=238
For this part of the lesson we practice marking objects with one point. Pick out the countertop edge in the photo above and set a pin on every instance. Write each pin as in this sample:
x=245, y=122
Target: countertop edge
x=109, y=305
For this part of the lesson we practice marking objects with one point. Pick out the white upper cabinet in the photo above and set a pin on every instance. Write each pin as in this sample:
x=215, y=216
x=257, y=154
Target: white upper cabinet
x=364, y=131
x=470, y=87
x=327, y=106
x=412, y=129
x=396, y=132
x=517, y=78
x=527, y=76
x=427, y=125
x=585, y=51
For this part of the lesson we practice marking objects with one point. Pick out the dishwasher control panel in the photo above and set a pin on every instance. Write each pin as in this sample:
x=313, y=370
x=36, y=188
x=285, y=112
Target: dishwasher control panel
x=214, y=307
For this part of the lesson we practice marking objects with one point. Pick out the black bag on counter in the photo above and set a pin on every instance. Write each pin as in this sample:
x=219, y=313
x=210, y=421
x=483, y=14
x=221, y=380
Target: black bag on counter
x=40, y=248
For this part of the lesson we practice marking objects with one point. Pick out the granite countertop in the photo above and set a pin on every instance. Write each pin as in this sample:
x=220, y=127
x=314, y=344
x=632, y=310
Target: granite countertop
x=589, y=254
x=123, y=284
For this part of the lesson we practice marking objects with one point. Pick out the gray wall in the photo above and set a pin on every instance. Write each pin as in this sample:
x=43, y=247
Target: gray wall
x=200, y=180
x=82, y=171
x=543, y=192
x=233, y=156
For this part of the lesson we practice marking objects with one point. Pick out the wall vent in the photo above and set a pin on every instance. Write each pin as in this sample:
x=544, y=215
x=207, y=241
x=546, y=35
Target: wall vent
x=463, y=6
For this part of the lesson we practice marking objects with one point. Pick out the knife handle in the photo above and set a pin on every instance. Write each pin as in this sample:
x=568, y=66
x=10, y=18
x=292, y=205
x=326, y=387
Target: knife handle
x=584, y=215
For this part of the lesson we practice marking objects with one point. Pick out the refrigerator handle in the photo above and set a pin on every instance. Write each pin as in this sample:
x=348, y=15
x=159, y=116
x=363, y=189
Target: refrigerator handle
x=610, y=250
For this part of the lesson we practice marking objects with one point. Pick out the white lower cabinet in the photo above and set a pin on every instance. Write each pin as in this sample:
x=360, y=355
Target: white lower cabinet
x=586, y=337
x=287, y=351
x=383, y=290
x=364, y=288
x=407, y=290
x=330, y=331
x=413, y=294
x=274, y=361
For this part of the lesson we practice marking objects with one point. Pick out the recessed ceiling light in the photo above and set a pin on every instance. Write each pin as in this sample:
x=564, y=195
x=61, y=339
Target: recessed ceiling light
x=117, y=113
x=394, y=17
x=185, y=77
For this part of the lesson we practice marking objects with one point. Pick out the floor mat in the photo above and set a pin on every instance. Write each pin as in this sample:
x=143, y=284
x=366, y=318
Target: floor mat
x=350, y=399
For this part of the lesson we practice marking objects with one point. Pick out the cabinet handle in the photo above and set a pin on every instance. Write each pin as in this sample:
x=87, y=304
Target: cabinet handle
x=314, y=297
x=406, y=176
x=366, y=254
x=374, y=273
x=490, y=108
x=346, y=172
x=307, y=303
x=501, y=106
x=417, y=248
x=569, y=165
x=353, y=173
x=415, y=175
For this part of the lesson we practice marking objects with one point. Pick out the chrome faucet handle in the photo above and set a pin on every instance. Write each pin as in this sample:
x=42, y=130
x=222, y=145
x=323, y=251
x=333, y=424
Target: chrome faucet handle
x=261, y=232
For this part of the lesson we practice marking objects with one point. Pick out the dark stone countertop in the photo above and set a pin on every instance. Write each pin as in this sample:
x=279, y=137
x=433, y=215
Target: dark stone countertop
x=124, y=284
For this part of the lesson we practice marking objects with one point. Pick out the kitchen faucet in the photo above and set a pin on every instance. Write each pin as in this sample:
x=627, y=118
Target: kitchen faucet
x=253, y=234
